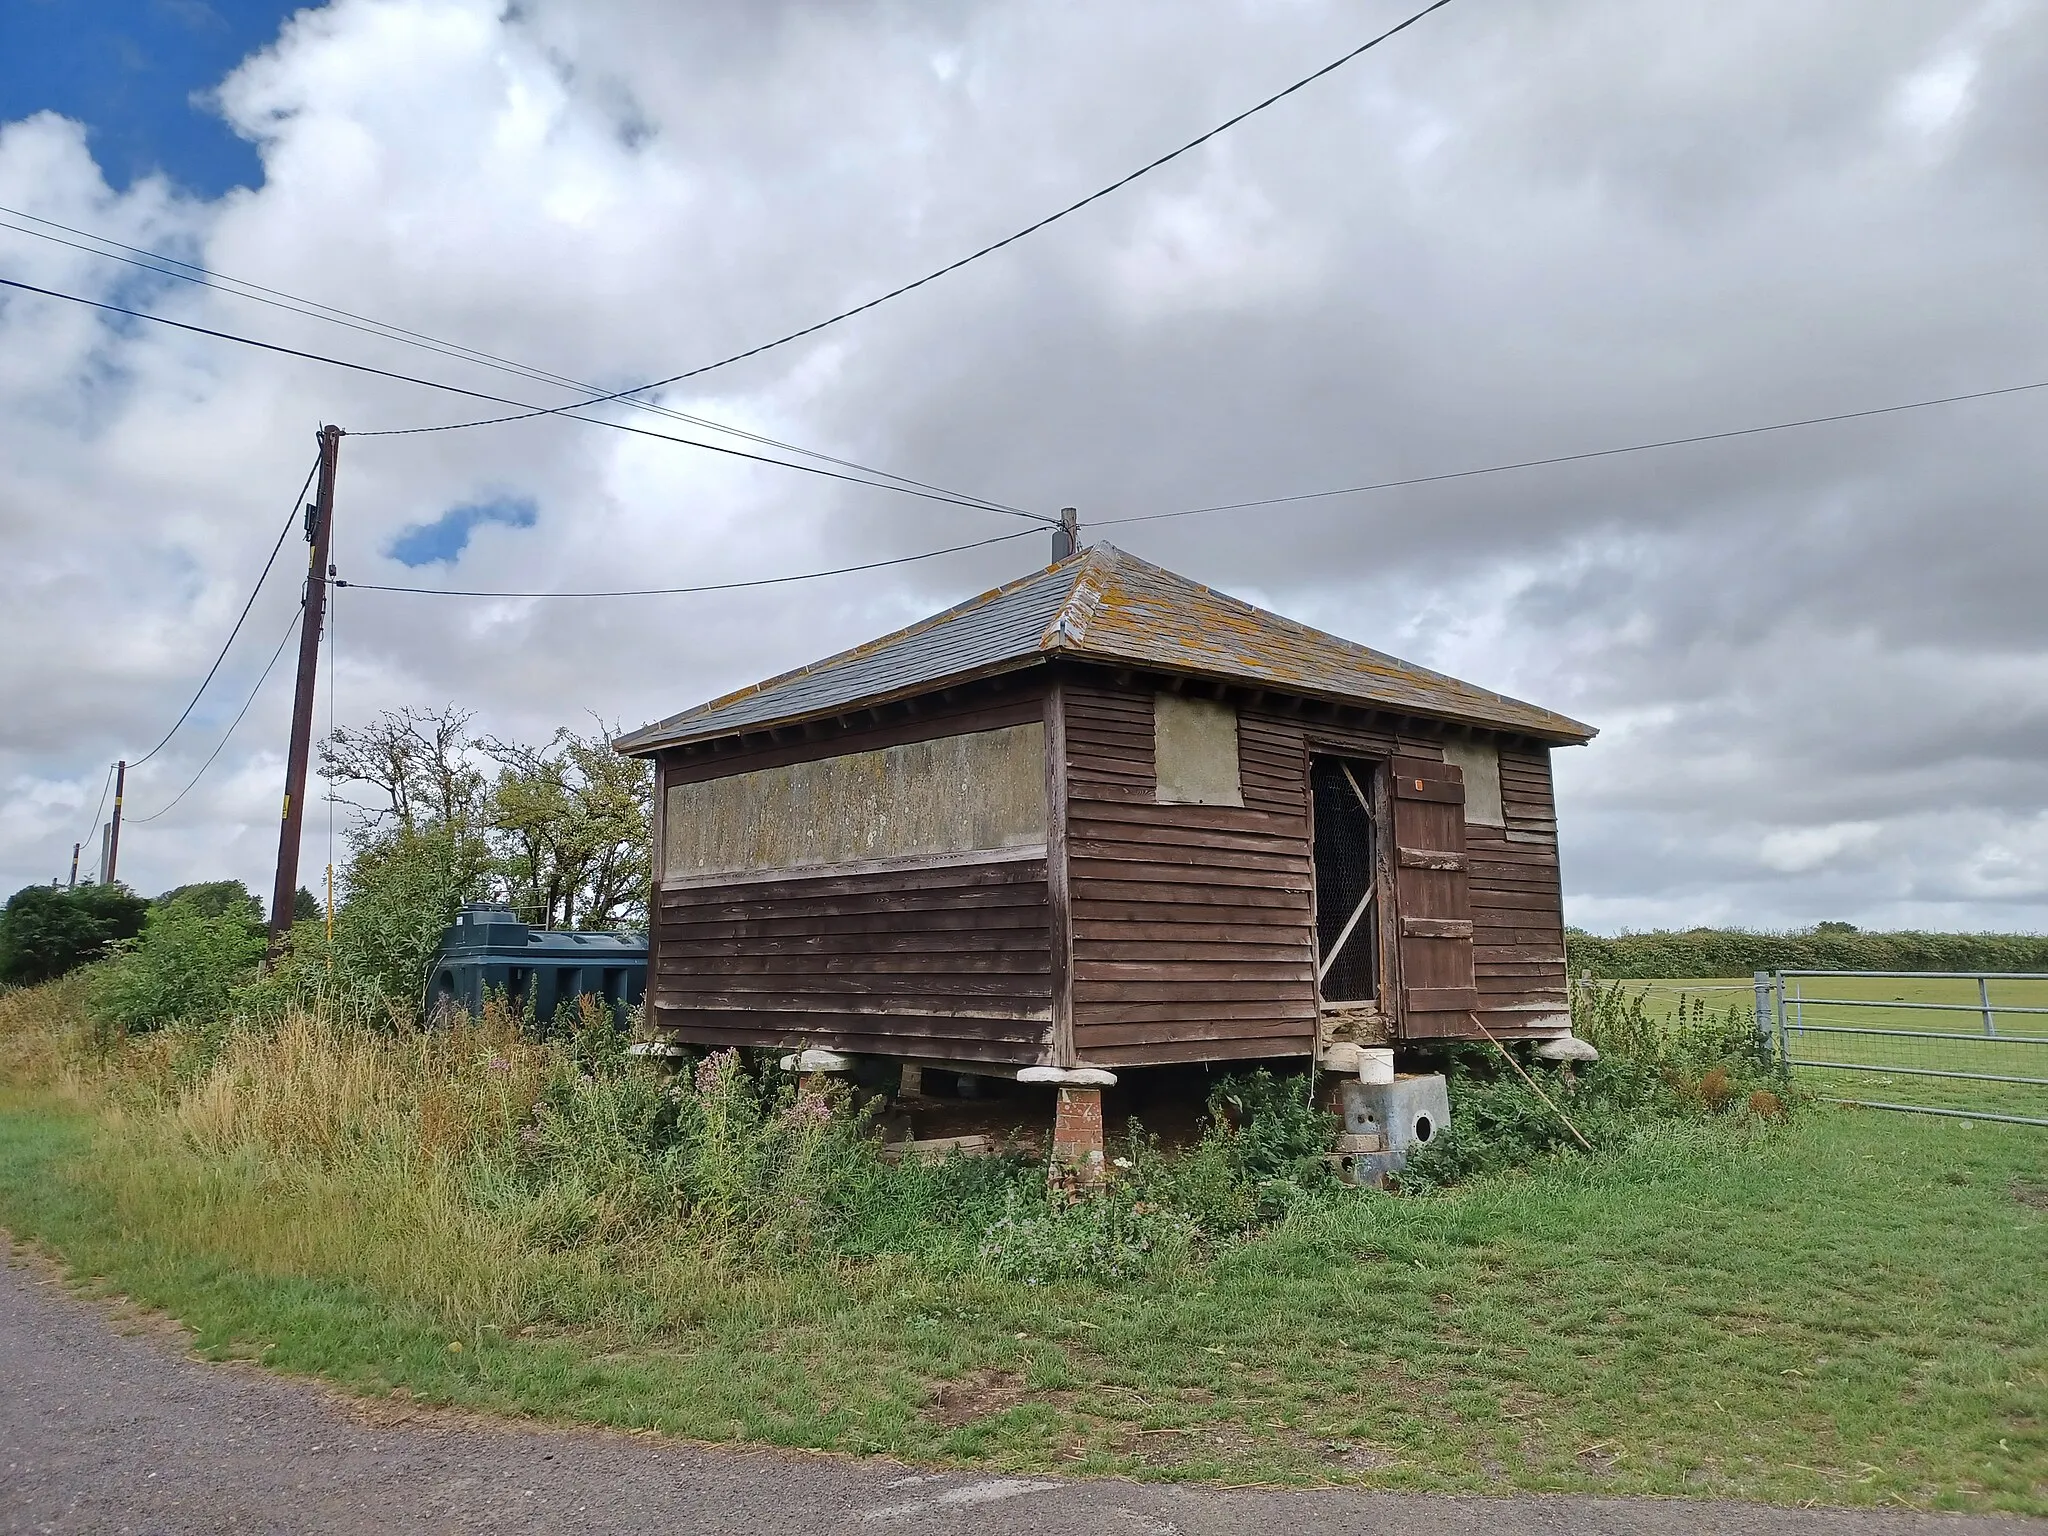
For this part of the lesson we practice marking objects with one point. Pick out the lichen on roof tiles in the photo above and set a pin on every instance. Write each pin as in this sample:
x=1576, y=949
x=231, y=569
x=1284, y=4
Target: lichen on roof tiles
x=1105, y=605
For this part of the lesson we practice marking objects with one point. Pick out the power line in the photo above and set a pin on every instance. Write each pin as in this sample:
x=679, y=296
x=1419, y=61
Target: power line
x=297, y=304
x=564, y=413
x=987, y=250
x=1574, y=458
x=260, y=681
x=290, y=520
x=717, y=586
x=109, y=784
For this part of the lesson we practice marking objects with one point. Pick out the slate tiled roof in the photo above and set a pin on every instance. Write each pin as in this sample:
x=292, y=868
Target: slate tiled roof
x=1107, y=606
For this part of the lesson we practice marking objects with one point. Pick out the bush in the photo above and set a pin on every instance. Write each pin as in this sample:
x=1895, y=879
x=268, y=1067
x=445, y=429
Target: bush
x=185, y=965
x=46, y=932
x=403, y=892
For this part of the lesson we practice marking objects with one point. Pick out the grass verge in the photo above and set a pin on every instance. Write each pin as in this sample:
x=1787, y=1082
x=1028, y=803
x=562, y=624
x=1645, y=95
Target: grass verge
x=1838, y=1307
x=1846, y=1309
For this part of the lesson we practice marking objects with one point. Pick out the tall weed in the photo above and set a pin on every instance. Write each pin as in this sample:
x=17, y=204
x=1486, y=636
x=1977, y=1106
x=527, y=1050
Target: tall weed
x=1702, y=1063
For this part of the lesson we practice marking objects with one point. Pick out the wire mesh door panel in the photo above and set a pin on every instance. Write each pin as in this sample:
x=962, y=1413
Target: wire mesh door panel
x=1346, y=858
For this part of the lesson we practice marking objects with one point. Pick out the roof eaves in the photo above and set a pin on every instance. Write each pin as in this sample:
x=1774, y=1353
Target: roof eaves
x=665, y=732
x=834, y=711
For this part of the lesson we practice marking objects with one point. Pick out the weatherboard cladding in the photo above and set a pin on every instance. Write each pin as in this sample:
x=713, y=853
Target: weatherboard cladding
x=1105, y=605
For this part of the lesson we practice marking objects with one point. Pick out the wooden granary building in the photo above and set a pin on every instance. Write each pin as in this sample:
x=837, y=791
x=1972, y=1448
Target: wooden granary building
x=1105, y=817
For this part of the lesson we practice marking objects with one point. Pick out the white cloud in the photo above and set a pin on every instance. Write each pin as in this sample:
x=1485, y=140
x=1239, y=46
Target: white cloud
x=1796, y=850
x=1819, y=657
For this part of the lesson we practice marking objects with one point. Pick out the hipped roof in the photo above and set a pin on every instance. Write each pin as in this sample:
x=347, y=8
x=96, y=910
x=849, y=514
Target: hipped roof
x=1103, y=605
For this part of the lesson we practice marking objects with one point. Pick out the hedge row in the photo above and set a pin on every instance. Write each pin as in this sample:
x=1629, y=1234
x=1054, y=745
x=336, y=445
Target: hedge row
x=1736, y=952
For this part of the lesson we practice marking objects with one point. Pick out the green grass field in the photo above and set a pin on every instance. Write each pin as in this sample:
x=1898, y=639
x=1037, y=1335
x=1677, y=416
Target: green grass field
x=1846, y=1308
x=1829, y=1019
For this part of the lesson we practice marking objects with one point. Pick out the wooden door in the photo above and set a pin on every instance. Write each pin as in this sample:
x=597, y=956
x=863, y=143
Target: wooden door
x=1432, y=900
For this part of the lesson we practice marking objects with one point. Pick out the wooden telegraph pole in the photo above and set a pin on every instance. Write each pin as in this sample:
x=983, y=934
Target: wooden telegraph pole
x=319, y=526
x=114, y=826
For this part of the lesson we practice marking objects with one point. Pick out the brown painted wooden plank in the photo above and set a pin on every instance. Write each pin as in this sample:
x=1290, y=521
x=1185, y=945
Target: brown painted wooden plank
x=1096, y=1037
x=1200, y=1053
x=921, y=1024
x=1194, y=970
x=1502, y=901
x=1106, y=1013
x=1173, y=950
x=1122, y=871
x=1449, y=859
x=807, y=946
x=1435, y=927
x=1222, y=819
x=955, y=1000
x=1110, y=839
x=897, y=966
x=1289, y=860
x=1439, y=999
x=1500, y=954
x=727, y=908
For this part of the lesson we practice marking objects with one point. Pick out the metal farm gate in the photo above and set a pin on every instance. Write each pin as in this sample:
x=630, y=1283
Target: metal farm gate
x=1972, y=1045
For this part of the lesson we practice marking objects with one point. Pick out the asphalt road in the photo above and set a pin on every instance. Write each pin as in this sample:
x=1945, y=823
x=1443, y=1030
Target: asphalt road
x=108, y=1427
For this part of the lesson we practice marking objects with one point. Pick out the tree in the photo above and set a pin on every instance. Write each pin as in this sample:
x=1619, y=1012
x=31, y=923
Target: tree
x=419, y=763
x=46, y=933
x=216, y=898
x=570, y=822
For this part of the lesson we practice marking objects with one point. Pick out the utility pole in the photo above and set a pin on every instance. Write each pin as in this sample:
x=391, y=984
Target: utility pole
x=74, y=867
x=1066, y=538
x=114, y=826
x=319, y=526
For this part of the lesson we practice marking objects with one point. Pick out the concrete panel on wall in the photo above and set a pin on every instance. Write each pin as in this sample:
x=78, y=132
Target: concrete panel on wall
x=1194, y=750
x=983, y=791
x=1481, y=762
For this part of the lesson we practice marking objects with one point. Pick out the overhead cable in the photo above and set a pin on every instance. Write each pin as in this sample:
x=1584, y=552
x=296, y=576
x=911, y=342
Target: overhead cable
x=987, y=250
x=291, y=521
x=277, y=298
x=1571, y=458
x=290, y=629
x=716, y=586
x=565, y=414
x=109, y=784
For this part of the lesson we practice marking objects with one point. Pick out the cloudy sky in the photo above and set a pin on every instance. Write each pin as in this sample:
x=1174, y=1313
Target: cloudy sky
x=1523, y=228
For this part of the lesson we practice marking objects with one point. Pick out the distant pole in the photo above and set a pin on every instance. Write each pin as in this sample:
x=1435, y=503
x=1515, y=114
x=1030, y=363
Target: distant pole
x=1067, y=537
x=114, y=826
x=74, y=866
x=319, y=526
x=106, y=831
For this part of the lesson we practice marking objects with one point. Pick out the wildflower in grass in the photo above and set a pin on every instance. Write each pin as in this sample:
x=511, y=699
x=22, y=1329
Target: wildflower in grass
x=717, y=1071
x=809, y=1110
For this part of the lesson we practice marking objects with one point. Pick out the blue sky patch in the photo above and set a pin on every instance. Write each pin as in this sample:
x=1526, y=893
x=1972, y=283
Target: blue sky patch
x=444, y=539
x=129, y=70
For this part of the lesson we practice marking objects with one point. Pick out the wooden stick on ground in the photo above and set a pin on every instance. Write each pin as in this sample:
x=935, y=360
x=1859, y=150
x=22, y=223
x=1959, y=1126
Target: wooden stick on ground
x=1533, y=1085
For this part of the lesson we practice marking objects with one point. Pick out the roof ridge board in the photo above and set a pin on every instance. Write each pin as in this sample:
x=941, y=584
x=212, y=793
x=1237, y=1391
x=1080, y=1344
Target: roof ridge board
x=852, y=653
